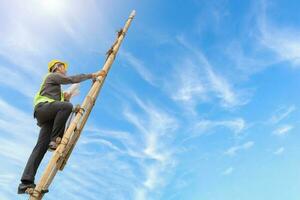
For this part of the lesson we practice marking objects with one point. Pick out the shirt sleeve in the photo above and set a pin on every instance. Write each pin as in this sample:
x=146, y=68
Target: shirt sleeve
x=58, y=78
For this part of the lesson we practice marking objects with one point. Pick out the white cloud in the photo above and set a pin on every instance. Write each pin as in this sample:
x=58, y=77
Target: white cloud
x=136, y=162
x=101, y=142
x=228, y=171
x=282, y=113
x=153, y=178
x=140, y=194
x=264, y=43
x=13, y=79
x=156, y=127
x=247, y=61
x=190, y=86
x=285, y=43
x=233, y=150
x=18, y=133
x=186, y=87
x=97, y=163
x=139, y=66
x=200, y=82
x=223, y=89
x=279, y=151
x=282, y=40
x=283, y=130
x=123, y=136
x=235, y=125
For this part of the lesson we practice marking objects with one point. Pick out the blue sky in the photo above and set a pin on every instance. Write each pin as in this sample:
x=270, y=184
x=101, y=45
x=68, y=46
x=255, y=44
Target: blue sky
x=202, y=102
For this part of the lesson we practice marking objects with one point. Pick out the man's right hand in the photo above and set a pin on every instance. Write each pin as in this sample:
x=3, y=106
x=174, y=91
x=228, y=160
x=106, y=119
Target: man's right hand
x=99, y=73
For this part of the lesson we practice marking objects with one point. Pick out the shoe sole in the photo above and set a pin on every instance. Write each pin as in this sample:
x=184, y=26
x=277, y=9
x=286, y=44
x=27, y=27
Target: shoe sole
x=51, y=149
x=26, y=190
x=30, y=191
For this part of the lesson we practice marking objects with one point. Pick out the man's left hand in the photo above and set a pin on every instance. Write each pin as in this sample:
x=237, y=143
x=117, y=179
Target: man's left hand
x=67, y=96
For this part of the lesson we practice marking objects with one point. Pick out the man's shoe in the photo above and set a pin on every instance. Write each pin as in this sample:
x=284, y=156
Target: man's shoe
x=52, y=146
x=24, y=186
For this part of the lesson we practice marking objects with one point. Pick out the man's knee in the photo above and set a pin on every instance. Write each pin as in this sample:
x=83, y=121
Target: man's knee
x=68, y=106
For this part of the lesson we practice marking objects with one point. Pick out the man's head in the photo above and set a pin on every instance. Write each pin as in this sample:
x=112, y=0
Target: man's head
x=57, y=66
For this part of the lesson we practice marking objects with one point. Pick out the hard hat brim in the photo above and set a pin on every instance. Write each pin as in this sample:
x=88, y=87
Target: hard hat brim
x=53, y=62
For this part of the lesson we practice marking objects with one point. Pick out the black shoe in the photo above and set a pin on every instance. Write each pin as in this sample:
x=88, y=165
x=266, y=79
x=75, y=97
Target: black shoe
x=24, y=186
x=52, y=146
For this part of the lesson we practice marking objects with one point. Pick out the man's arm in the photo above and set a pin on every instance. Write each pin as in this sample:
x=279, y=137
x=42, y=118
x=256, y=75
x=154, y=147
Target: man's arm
x=58, y=78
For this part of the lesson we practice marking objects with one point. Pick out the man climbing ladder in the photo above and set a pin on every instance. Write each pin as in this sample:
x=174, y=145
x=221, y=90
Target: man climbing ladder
x=51, y=109
x=73, y=132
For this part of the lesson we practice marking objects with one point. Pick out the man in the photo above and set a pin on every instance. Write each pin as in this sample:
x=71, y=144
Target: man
x=52, y=110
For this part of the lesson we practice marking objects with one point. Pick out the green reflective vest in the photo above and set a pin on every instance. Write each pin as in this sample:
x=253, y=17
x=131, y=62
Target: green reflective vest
x=38, y=98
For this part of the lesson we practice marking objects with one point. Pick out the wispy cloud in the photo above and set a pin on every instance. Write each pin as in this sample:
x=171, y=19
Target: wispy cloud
x=279, y=151
x=282, y=113
x=282, y=40
x=283, y=130
x=191, y=87
x=102, y=169
x=271, y=42
x=187, y=87
x=236, y=125
x=224, y=90
x=247, y=61
x=137, y=162
x=233, y=150
x=228, y=171
x=139, y=66
x=6, y=180
x=17, y=136
x=156, y=127
x=199, y=82
x=13, y=79
x=123, y=136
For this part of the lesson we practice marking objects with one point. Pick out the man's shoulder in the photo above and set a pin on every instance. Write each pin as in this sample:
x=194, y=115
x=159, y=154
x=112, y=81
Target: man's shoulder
x=55, y=74
x=52, y=77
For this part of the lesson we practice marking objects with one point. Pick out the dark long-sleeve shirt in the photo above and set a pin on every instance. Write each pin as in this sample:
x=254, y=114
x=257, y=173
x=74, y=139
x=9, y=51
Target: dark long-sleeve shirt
x=52, y=85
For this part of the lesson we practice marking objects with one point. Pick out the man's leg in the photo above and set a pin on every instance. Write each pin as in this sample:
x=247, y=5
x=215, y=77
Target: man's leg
x=36, y=156
x=60, y=119
x=57, y=111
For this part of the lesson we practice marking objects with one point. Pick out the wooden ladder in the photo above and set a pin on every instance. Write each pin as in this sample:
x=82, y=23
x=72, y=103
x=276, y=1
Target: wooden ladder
x=72, y=134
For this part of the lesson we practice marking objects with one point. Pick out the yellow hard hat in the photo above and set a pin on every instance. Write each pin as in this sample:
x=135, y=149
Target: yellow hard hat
x=53, y=62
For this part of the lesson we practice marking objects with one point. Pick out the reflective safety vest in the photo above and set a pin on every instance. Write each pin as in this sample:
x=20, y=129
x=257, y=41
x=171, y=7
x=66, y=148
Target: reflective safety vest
x=38, y=98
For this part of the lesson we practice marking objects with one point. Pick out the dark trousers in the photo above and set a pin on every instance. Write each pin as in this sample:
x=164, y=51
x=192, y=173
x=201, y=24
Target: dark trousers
x=52, y=118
